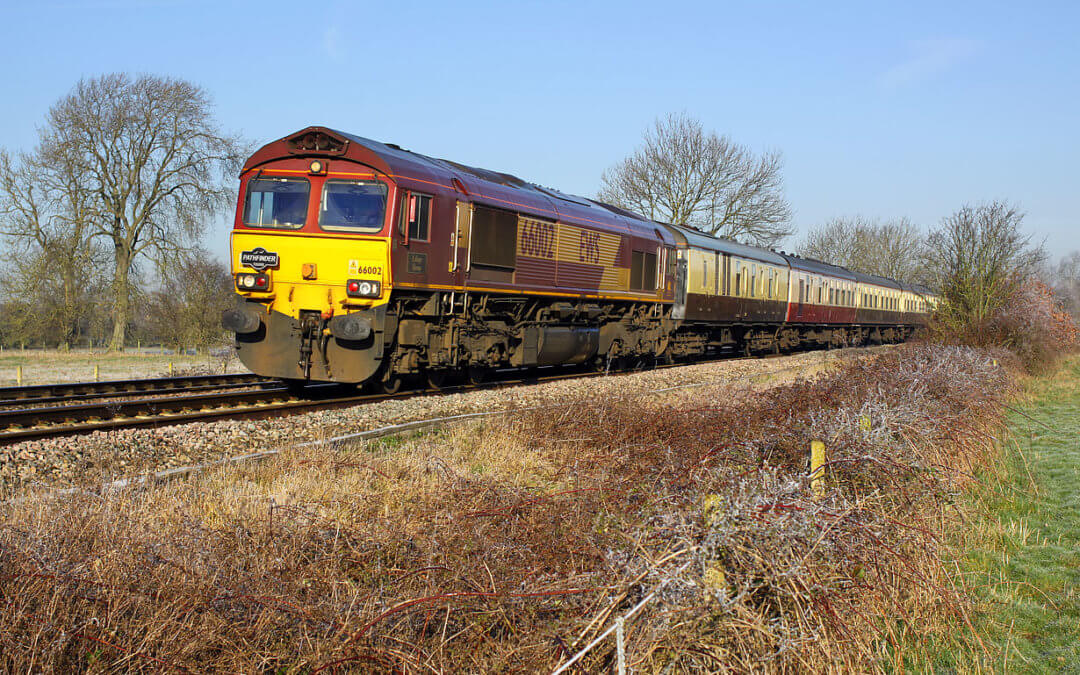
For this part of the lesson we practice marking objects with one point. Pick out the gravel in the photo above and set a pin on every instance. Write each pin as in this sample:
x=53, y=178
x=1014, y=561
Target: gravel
x=102, y=456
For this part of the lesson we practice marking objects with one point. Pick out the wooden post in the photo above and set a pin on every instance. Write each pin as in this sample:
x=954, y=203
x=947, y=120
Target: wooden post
x=170, y=369
x=97, y=373
x=18, y=375
x=620, y=646
x=817, y=459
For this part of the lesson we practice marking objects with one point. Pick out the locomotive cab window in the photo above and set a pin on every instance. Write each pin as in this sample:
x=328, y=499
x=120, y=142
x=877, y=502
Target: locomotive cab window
x=277, y=202
x=352, y=205
x=417, y=213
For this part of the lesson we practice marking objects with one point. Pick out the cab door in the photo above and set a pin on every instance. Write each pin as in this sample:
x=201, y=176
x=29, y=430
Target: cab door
x=416, y=262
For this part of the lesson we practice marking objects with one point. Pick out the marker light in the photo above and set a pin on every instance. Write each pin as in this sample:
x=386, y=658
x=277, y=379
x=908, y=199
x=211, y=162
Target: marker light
x=356, y=288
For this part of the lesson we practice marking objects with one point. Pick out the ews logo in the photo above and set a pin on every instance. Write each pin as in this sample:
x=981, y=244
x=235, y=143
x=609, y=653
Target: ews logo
x=538, y=239
x=589, y=248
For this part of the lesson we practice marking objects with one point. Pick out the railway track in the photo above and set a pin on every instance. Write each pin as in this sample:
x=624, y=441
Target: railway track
x=86, y=391
x=23, y=424
x=261, y=399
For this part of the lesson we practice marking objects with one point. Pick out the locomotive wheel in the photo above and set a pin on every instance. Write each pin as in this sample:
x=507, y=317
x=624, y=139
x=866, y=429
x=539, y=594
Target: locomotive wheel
x=436, y=378
x=478, y=374
x=391, y=384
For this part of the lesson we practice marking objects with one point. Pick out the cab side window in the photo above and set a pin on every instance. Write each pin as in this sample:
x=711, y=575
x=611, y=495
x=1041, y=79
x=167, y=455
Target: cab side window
x=419, y=217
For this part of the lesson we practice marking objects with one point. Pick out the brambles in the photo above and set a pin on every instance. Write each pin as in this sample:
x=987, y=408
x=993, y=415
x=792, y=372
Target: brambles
x=508, y=546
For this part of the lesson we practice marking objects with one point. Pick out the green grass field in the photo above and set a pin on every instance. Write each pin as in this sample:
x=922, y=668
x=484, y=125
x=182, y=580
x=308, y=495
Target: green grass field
x=53, y=366
x=1025, y=566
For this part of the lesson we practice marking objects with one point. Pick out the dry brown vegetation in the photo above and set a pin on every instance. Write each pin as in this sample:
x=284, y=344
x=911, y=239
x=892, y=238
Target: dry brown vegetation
x=1030, y=323
x=508, y=546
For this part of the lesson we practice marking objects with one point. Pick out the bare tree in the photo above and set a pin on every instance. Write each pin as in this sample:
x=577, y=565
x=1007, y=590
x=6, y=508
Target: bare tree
x=187, y=306
x=978, y=258
x=155, y=162
x=52, y=265
x=1065, y=281
x=891, y=249
x=685, y=175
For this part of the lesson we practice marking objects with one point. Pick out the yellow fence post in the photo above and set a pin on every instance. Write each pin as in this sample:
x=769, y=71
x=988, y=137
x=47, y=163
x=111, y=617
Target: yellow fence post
x=18, y=375
x=817, y=459
x=97, y=373
x=170, y=368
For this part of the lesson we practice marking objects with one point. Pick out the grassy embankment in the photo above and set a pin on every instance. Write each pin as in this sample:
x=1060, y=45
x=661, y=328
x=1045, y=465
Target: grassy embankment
x=507, y=545
x=1022, y=549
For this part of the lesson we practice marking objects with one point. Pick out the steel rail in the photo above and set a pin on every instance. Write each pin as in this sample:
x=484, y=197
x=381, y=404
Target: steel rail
x=122, y=387
x=79, y=398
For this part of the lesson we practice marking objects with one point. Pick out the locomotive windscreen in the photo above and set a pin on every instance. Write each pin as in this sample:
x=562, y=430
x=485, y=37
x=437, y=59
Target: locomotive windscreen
x=277, y=202
x=352, y=205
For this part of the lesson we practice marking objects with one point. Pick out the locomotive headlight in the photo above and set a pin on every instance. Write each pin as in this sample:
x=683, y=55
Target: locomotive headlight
x=253, y=282
x=365, y=288
x=316, y=166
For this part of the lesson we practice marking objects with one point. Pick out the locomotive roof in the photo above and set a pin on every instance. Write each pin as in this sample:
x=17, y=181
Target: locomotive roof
x=501, y=190
x=819, y=267
x=699, y=239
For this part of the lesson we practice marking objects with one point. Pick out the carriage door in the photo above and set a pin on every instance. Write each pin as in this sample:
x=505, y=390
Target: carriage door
x=802, y=296
x=725, y=273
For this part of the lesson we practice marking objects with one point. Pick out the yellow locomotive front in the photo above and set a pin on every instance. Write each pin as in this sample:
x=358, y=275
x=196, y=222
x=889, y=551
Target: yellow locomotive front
x=311, y=265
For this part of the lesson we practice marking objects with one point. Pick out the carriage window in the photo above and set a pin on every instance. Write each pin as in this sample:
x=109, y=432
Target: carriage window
x=277, y=202
x=494, y=238
x=353, y=205
x=419, y=215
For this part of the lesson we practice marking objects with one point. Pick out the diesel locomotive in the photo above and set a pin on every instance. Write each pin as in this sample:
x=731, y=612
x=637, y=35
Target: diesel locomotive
x=359, y=261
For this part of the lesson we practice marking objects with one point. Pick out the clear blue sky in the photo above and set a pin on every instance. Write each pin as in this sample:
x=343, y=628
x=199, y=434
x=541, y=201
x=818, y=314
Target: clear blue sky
x=884, y=109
